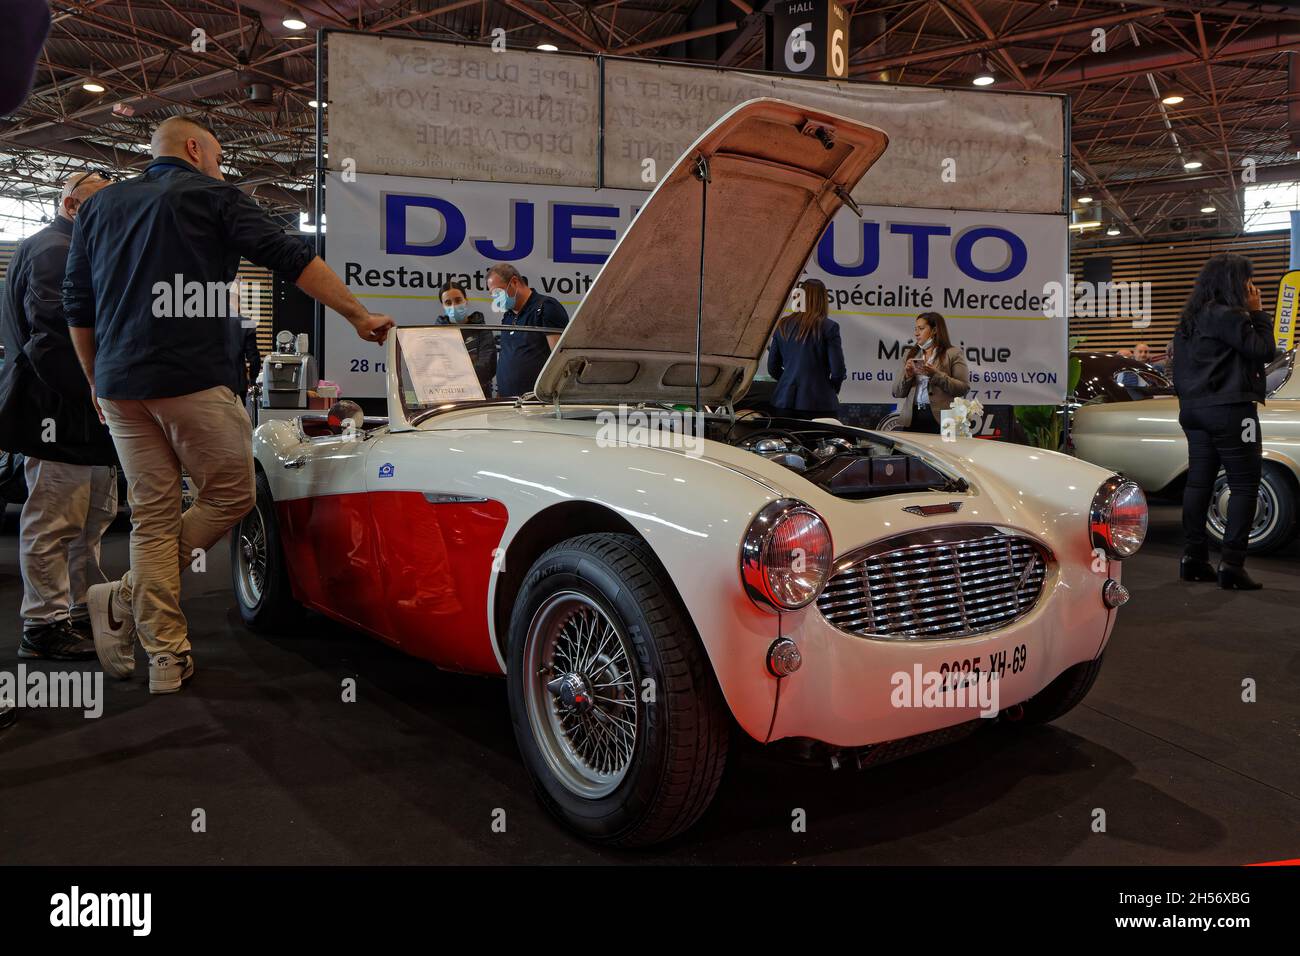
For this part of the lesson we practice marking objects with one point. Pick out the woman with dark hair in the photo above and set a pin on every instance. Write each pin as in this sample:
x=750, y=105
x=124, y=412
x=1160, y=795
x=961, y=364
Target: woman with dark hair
x=1223, y=340
x=481, y=345
x=934, y=373
x=806, y=358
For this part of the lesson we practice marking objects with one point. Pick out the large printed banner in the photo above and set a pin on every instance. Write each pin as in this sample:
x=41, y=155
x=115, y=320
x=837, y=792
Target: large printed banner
x=395, y=239
x=453, y=111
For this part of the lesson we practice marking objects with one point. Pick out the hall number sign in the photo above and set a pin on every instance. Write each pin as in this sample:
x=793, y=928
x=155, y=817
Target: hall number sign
x=809, y=38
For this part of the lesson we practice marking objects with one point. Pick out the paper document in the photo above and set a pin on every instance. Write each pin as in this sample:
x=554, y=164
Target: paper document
x=437, y=366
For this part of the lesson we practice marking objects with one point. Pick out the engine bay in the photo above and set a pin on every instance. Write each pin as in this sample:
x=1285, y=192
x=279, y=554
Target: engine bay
x=845, y=462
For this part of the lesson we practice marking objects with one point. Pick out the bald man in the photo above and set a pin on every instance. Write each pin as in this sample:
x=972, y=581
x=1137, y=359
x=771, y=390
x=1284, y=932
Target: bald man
x=147, y=296
x=46, y=415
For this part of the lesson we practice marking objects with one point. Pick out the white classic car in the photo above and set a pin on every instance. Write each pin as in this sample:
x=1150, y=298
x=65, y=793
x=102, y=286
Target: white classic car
x=646, y=591
x=1143, y=441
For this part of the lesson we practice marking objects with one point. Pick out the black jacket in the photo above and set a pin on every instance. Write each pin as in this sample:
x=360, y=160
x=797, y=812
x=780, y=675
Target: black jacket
x=244, y=355
x=41, y=383
x=138, y=248
x=1222, y=361
x=482, y=348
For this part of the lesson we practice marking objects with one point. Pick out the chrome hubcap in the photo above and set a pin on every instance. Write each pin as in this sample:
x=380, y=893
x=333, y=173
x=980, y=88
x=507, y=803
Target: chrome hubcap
x=580, y=694
x=1265, y=509
x=252, y=558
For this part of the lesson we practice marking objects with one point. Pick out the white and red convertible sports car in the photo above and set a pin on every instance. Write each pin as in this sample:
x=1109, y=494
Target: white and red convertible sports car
x=644, y=590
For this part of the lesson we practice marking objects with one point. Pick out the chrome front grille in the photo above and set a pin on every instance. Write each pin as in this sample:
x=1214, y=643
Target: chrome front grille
x=936, y=585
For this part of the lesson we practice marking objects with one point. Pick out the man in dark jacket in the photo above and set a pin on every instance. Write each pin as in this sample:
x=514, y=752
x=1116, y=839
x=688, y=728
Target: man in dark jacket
x=47, y=416
x=146, y=295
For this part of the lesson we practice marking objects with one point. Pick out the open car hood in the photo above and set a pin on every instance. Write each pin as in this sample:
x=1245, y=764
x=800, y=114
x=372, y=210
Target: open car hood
x=775, y=182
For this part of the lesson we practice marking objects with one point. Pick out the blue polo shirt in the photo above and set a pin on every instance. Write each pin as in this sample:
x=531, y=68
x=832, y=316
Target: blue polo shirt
x=524, y=353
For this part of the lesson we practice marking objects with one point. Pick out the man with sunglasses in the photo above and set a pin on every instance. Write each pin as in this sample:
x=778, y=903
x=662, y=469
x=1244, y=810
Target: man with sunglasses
x=47, y=416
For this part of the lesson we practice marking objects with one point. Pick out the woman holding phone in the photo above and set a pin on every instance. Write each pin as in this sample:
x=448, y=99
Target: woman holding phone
x=1221, y=345
x=934, y=373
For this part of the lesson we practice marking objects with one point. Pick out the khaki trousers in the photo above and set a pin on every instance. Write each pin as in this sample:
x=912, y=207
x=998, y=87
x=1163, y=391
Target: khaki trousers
x=68, y=509
x=209, y=435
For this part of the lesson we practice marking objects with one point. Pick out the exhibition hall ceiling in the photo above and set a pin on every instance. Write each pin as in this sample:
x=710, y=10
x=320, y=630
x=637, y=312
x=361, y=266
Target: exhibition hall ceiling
x=1157, y=86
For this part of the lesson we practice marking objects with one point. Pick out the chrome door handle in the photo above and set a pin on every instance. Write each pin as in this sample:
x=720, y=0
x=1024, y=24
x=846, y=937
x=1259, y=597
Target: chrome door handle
x=297, y=462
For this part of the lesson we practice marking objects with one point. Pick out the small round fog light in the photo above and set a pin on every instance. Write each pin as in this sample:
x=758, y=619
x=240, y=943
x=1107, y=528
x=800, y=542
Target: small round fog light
x=783, y=657
x=1114, y=593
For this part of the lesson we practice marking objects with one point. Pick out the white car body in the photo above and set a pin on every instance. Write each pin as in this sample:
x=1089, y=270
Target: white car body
x=1143, y=441
x=420, y=530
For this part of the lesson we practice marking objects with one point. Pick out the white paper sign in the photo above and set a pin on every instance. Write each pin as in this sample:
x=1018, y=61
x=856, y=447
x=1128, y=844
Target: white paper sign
x=437, y=366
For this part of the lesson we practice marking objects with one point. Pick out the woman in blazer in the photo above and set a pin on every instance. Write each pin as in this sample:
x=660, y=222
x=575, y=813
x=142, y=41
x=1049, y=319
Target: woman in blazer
x=934, y=373
x=807, y=359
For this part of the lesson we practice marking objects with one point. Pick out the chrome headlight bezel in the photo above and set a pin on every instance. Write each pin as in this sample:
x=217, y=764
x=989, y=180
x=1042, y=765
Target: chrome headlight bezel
x=753, y=573
x=1114, y=490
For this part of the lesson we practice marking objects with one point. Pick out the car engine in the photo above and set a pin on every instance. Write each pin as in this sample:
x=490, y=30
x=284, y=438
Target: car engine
x=845, y=462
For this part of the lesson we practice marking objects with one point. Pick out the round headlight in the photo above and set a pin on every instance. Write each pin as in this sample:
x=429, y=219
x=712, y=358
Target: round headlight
x=1118, y=523
x=785, y=556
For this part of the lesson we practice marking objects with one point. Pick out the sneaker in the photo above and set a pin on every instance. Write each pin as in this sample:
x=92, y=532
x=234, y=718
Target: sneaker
x=168, y=671
x=114, y=638
x=79, y=618
x=54, y=641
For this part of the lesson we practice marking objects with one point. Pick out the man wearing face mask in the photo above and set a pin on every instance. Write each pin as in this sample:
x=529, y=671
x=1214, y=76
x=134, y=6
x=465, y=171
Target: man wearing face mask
x=481, y=345
x=523, y=353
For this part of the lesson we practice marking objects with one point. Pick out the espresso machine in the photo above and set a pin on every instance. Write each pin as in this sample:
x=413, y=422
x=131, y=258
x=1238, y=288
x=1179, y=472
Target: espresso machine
x=288, y=373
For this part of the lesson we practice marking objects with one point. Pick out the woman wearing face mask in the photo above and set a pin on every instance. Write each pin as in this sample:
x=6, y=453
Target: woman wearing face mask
x=1223, y=340
x=934, y=373
x=481, y=345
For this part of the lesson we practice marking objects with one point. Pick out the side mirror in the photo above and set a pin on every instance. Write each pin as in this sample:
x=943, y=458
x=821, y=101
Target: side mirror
x=343, y=411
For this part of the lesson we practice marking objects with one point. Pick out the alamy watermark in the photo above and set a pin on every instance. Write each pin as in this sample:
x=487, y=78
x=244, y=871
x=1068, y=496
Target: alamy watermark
x=177, y=298
x=946, y=689
x=1098, y=300
x=652, y=428
x=77, y=690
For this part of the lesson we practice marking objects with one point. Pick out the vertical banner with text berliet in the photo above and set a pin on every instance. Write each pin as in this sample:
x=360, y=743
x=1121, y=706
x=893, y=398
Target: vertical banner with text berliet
x=445, y=158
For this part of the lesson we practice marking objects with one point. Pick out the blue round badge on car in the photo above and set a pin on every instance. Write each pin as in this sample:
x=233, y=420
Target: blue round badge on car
x=386, y=470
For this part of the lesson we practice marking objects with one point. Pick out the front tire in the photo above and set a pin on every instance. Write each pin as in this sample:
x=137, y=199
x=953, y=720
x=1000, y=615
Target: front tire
x=258, y=571
x=619, y=719
x=1275, y=514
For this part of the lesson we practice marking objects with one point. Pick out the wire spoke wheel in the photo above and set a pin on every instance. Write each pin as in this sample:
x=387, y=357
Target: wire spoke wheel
x=580, y=694
x=252, y=558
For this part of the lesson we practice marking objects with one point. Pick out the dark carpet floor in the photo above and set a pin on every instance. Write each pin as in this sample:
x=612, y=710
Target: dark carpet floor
x=415, y=770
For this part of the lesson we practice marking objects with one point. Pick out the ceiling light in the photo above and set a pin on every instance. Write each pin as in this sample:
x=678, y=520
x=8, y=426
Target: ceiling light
x=1171, y=99
x=92, y=85
x=985, y=78
x=1192, y=164
x=1085, y=199
x=1113, y=231
x=314, y=105
x=293, y=21
x=1208, y=209
x=547, y=47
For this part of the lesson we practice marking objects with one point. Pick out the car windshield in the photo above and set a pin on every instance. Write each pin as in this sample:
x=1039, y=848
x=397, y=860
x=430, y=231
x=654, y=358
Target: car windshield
x=1141, y=378
x=443, y=366
x=1279, y=372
